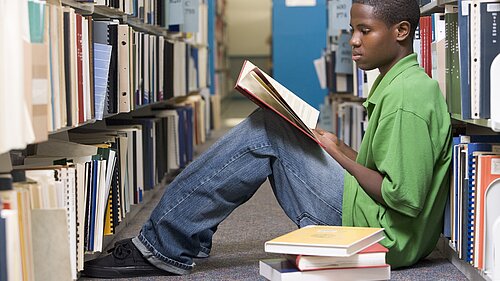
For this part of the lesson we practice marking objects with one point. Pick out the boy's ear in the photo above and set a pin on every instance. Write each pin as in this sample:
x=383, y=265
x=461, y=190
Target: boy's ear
x=403, y=30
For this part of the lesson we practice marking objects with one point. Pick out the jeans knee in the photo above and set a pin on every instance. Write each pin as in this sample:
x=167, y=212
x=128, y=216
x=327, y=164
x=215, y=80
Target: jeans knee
x=306, y=219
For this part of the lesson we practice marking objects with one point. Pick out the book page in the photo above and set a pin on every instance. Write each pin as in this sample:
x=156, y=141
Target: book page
x=260, y=91
x=308, y=114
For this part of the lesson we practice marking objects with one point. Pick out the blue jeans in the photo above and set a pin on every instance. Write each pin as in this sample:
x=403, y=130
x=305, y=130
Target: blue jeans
x=307, y=182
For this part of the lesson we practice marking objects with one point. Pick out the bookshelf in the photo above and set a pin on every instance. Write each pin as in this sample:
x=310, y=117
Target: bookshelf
x=463, y=258
x=460, y=125
x=153, y=108
x=347, y=86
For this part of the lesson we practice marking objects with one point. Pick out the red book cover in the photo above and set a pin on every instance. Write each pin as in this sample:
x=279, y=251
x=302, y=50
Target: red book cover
x=79, y=65
x=425, y=43
x=489, y=172
x=267, y=101
x=372, y=256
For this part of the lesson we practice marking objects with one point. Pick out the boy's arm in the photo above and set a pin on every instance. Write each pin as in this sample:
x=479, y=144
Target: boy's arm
x=370, y=180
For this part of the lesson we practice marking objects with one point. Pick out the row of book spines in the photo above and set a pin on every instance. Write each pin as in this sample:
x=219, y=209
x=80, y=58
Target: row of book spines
x=346, y=119
x=56, y=111
x=474, y=183
x=167, y=14
x=470, y=57
x=112, y=217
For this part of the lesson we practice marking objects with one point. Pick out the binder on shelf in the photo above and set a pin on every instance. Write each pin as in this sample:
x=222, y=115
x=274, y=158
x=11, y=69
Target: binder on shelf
x=464, y=53
x=453, y=98
x=470, y=198
x=484, y=49
x=488, y=173
x=124, y=94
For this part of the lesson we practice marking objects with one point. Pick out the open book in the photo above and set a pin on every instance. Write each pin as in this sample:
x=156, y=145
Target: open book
x=268, y=93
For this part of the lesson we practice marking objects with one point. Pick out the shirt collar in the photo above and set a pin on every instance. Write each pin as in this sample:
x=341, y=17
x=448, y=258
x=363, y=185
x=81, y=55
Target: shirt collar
x=382, y=82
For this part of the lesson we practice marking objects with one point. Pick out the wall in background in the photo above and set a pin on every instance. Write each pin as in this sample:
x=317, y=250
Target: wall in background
x=249, y=27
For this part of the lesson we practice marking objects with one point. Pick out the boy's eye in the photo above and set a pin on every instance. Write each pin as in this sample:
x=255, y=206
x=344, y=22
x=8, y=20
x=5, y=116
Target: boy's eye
x=365, y=30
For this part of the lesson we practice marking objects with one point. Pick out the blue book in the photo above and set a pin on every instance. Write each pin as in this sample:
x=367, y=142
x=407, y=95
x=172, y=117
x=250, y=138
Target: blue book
x=490, y=49
x=36, y=12
x=88, y=204
x=93, y=204
x=189, y=135
x=181, y=111
x=3, y=250
x=456, y=182
x=102, y=59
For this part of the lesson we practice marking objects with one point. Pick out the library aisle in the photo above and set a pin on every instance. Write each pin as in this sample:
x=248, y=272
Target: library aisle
x=239, y=241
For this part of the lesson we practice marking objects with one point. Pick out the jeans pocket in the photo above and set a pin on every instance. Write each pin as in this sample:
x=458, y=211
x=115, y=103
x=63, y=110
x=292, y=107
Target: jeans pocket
x=306, y=219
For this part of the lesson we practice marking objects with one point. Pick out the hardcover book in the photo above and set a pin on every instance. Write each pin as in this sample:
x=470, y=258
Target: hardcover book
x=283, y=270
x=268, y=93
x=323, y=240
x=374, y=255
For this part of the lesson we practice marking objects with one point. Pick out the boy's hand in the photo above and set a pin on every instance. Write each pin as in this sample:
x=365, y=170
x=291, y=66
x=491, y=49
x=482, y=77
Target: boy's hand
x=331, y=142
x=333, y=145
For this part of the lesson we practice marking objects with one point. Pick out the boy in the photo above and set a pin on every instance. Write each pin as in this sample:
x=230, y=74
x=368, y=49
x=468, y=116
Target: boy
x=398, y=180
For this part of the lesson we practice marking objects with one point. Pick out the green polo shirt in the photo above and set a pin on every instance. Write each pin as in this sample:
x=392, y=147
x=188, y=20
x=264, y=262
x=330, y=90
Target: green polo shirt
x=408, y=140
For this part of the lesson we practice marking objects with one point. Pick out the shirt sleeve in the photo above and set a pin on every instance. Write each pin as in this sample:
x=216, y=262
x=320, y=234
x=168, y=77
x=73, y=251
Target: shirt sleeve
x=403, y=153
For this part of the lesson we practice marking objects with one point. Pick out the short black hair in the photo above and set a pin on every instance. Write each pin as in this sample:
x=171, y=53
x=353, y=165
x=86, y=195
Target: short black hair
x=392, y=11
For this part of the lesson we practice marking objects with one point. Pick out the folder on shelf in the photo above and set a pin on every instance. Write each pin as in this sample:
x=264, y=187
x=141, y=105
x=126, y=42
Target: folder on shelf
x=51, y=245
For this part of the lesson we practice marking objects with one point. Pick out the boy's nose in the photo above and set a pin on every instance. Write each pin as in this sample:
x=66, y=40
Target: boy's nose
x=355, y=41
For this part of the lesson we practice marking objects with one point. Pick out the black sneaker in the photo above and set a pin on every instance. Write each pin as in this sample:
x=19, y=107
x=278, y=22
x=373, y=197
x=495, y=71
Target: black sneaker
x=124, y=260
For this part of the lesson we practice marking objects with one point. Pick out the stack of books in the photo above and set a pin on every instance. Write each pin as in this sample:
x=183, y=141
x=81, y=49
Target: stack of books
x=327, y=253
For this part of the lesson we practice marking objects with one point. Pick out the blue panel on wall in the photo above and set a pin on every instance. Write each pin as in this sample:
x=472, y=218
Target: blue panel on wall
x=299, y=37
x=211, y=45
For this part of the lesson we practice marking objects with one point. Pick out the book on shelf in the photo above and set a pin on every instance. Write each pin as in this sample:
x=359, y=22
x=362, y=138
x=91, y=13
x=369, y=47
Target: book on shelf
x=283, y=270
x=485, y=52
x=323, y=240
x=488, y=171
x=373, y=255
x=268, y=93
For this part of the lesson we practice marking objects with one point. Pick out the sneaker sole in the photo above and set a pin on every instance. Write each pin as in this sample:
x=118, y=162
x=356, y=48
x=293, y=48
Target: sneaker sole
x=123, y=272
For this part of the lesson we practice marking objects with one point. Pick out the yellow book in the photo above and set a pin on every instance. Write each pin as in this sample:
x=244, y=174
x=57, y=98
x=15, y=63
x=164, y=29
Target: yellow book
x=108, y=218
x=321, y=240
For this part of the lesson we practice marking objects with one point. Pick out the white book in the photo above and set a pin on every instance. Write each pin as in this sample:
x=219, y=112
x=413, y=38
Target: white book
x=283, y=270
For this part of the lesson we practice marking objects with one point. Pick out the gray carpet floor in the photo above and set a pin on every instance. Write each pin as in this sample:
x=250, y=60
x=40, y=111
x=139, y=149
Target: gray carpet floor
x=239, y=242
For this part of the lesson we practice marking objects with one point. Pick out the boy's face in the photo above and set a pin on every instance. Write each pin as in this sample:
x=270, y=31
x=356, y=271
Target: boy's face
x=374, y=45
